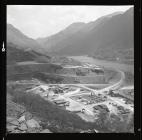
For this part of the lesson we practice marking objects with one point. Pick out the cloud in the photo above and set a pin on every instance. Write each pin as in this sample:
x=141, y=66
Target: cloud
x=40, y=21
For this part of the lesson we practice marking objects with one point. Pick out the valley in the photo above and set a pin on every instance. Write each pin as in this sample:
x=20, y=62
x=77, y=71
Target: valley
x=79, y=80
x=80, y=98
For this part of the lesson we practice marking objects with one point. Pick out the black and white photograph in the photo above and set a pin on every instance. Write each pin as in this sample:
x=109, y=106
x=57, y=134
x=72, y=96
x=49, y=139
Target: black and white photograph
x=70, y=69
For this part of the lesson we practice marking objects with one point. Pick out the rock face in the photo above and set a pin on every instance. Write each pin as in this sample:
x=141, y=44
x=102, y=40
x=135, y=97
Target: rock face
x=22, y=119
x=32, y=123
x=28, y=115
x=19, y=120
x=23, y=126
x=23, y=122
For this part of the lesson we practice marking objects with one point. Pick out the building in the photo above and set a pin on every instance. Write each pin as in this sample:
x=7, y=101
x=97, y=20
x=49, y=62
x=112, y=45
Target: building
x=61, y=102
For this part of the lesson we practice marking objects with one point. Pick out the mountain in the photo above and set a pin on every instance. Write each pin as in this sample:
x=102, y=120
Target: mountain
x=22, y=48
x=49, y=42
x=105, y=36
x=20, y=40
x=16, y=55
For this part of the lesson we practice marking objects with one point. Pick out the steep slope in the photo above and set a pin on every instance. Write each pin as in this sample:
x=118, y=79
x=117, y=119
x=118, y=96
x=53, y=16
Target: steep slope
x=105, y=36
x=53, y=40
x=17, y=38
x=15, y=55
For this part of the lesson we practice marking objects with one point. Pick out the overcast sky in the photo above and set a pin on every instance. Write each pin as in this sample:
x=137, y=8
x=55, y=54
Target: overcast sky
x=41, y=21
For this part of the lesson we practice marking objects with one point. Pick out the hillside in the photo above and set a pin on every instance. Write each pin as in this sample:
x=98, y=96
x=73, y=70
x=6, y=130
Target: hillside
x=49, y=42
x=100, y=38
x=16, y=54
x=17, y=38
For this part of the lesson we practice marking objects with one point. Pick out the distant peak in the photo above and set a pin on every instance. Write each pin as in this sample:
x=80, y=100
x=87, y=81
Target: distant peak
x=77, y=23
x=115, y=13
x=130, y=10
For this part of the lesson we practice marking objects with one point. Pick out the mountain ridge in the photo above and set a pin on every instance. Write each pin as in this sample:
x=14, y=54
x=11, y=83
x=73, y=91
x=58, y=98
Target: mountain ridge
x=106, y=34
x=100, y=38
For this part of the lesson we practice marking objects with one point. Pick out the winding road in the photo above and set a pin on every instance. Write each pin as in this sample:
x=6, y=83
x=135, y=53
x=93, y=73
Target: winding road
x=101, y=91
x=88, y=108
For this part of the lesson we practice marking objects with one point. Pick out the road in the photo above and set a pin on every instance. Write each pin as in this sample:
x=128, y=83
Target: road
x=116, y=85
x=72, y=75
x=113, y=87
x=92, y=62
x=74, y=105
x=128, y=87
x=89, y=108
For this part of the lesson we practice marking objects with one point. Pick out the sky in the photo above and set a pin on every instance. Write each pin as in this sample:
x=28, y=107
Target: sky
x=41, y=21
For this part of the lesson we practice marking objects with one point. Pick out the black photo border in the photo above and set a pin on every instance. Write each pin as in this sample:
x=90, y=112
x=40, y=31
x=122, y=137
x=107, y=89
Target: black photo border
x=137, y=69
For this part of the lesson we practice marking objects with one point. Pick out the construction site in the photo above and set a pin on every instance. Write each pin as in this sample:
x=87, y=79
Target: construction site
x=90, y=102
x=82, y=101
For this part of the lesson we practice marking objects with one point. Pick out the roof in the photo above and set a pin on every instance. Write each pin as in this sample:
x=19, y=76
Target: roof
x=60, y=101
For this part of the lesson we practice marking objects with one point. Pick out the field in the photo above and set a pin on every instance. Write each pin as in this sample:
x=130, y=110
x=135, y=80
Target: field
x=109, y=64
x=52, y=73
x=127, y=69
